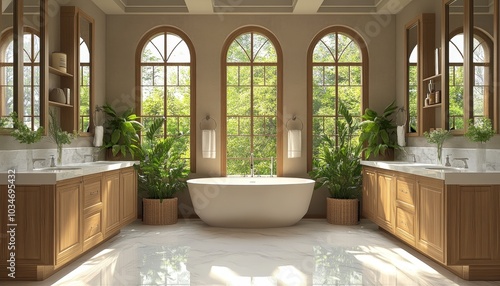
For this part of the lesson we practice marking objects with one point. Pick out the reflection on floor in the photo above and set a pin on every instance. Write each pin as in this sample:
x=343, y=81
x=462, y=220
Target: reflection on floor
x=312, y=252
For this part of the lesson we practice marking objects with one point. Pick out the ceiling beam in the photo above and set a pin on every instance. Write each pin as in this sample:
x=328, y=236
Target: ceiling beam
x=110, y=6
x=199, y=6
x=307, y=6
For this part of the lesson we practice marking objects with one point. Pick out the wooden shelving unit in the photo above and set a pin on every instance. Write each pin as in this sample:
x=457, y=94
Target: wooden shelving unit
x=58, y=72
x=54, y=103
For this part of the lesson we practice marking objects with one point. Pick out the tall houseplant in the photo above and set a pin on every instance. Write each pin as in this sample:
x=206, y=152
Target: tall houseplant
x=121, y=134
x=162, y=172
x=378, y=132
x=338, y=168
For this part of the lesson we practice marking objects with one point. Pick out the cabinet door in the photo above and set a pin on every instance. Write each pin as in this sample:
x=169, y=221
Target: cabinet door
x=111, y=199
x=68, y=220
x=386, y=185
x=405, y=209
x=369, y=201
x=430, y=214
x=128, y=210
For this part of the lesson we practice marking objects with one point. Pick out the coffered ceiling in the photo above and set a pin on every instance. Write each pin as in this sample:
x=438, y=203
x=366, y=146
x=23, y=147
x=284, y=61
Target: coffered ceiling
x=251, y=6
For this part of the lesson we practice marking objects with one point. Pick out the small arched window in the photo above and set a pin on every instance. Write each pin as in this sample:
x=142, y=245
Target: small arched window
x=166, y=84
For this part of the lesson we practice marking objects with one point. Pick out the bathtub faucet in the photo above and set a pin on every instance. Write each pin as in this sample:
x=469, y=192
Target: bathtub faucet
x=252, y=171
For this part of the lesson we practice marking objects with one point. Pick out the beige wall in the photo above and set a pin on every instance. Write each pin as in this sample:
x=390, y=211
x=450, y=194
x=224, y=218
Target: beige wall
x=208, y=34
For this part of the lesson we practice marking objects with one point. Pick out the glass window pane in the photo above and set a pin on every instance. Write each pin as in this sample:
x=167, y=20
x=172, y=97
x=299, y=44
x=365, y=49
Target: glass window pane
x=184, y=75
x=177, y=50
x=258, y=75
x=172, y=75
x=325, y=50
x=147, y=76
x=324, y=100
x=330, y=75
x=263, y=49
x=264, y=102
x=178, y=100
x=232, y=75
x=239, y=50
x=238, y=100
x=154, y=52
x=152, y=101
x=245, y=75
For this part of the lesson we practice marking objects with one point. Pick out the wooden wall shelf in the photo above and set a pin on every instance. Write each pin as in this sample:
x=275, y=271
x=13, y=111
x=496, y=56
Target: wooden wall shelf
x=54, y=103
x=58, y=72
x=433, y=105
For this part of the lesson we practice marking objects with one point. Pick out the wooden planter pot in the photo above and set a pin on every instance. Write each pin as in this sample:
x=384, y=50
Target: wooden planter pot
x=341, y=211
x=156, y=213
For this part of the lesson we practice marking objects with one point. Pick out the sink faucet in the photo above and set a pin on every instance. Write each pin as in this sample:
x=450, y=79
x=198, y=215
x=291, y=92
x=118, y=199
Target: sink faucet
x=463, y=160
x=52, y=161
x=252, y=171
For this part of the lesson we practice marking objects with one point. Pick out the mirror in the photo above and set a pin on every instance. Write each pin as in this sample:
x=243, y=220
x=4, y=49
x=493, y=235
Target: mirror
x=454, y=72
x=85, y=81
x=482, y=55
x=412, y=76
x=31, y=72
x=22, y=80
x=6, y=63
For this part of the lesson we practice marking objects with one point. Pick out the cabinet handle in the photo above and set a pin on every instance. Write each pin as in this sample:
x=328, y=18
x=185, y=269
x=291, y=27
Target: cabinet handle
x=94, y=193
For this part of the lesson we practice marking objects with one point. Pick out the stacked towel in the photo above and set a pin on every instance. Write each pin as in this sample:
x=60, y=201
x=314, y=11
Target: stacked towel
x=208, y=144
x=400, y=131
x=294, y=143
x=98, y=134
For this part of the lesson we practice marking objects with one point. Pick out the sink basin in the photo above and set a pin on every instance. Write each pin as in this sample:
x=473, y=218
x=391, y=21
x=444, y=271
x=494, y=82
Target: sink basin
x=442, y=168
x=59, y=169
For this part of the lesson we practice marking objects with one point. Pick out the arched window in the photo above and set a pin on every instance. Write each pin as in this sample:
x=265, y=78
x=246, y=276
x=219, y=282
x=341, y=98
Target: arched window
x=31, y=55
x=165, y=76
x=337, y=71
x=251, y=103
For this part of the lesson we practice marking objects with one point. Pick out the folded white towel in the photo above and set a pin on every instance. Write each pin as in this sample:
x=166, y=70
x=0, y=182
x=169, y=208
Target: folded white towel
x=400, y=130
x=294, y=143
x=98, y=133
x=208, y=144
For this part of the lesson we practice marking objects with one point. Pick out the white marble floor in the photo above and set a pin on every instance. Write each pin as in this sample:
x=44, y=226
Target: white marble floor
x=312, y=252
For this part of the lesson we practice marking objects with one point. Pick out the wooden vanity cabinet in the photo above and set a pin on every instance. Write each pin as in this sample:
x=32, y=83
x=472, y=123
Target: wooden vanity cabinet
x=58, y=223
x=457, y=226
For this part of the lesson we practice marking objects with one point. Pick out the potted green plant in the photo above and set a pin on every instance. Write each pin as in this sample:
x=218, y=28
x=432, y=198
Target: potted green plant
x=338, y=168
x=24, y=135
x=121, y=135
x=162, y=172
x=480, y=130
x=59, y=136
x=378, y=133
x=438, y=136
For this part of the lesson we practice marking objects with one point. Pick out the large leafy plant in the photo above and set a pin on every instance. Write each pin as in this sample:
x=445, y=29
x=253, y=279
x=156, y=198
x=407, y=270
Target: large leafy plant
x=377, y=131
x=338, y=166
x=121, y=132
x=162, y=170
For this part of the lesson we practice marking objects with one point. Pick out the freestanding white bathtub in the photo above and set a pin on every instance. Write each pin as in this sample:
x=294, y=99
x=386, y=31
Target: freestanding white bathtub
x=250, y=202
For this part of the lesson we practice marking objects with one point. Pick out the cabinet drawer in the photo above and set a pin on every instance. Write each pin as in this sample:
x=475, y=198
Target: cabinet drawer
x=405, y=192
x=405, y=221
x=92, y=193
x=92, y=225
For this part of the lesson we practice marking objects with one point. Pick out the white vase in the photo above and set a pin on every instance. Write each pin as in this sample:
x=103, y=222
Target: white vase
x=29, y=158
x=481, y=157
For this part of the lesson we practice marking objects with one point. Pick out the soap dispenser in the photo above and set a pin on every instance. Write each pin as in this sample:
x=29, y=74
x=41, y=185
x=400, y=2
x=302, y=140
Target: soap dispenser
x=447, y=164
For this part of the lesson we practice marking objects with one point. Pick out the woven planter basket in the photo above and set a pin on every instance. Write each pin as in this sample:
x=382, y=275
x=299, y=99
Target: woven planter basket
x=341, y=211
x=156, y=213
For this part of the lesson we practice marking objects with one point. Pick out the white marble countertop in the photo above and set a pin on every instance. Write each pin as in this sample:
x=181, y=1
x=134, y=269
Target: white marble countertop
x=450, y=175
x=51, y=175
